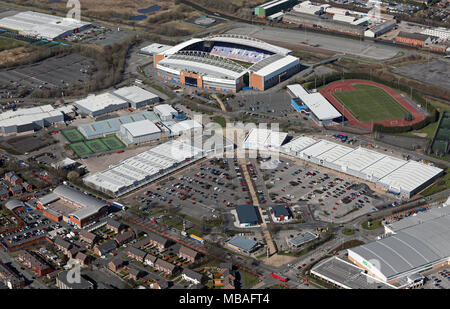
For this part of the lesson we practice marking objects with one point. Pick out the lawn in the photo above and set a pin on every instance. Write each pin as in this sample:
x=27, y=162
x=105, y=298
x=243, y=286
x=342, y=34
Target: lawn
x=72, y=135
x=6, y=43
x=220, y=120
x=369, y=103
x=440, y=185
x=348, y=232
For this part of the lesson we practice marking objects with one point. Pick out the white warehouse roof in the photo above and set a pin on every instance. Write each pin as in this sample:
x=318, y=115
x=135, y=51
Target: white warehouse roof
x=95, y=103
x=298, y=144
x=164, y=110
x=134, y=94
x=141, y=128
x=359, y=159
x=412, y=249
x=410, y=176
x=264, y=139
x=41, y=25
x=185, y=126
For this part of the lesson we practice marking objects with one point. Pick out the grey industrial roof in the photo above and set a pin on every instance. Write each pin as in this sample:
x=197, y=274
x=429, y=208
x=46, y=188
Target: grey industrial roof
x=243, y=243
x=300, y=240
x=90, y=204
x=247, y=214
x=410, y=248
x=49, y=198
x=346, y=275
x=13, y=204
x=419, y=218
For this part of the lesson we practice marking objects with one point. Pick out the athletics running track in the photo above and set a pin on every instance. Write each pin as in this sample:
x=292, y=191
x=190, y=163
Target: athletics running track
x=347, y=85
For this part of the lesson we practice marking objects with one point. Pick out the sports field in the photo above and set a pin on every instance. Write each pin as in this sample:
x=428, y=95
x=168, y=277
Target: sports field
x=113, y=143
x=72, y=135
x=96, y=145
x=368, y=103
x=80, y=149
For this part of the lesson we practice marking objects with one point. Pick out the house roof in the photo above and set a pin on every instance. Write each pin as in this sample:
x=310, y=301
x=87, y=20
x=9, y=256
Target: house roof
x=192, y=274
x=188, y=251
x=158, y=239
x=136, y=252
x=125, y=236
x=107, y=246
x=113, y=223
x=62, y=243
x=86, y=234
x=165, y=264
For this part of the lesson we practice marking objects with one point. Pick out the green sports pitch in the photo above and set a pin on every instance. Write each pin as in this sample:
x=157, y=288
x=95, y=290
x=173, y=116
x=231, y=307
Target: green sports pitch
x=72, y=135
x=96, y=145
x=80, y=149
x=369, y=103
x=113, y=143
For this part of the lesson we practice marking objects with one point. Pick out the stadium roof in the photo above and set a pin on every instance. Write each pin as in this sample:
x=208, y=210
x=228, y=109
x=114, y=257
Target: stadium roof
x=359, y=159
x=134, y=94
x=243, y=243
x=412, y=248
x=141, y=128
x=180, y=46
x=199, y=63
x=247, y=214
x=272, y=64
x=410, y=176
x=346, y=275
x=41, y=25
x=298, y=144
x=100, y=102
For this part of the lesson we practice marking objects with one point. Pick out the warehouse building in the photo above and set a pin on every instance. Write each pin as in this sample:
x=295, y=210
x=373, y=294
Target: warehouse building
x=29, y=119
x=408, y=252
x=264, y=139
x=322, y=111
x=144, y=167
x=274, y=6
x=300, y=240
x=75, y=208
x=323, y=22
x=136, y=96
x=165, y=112
x=139, y=132
x=42, y=26
x=112, y=126
x=345, y=275
x=96, y=105
x=184, y=127
x=208, y=63
x=399, y=177
x=380, y=29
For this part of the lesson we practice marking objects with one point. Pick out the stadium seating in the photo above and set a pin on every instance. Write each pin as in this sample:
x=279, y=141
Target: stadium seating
x=241, y=53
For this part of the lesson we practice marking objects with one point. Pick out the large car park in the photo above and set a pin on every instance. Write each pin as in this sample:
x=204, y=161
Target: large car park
x=332, y=194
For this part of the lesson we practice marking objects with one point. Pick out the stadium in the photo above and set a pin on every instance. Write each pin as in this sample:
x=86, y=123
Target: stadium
x=365, y=103
x=226, y=63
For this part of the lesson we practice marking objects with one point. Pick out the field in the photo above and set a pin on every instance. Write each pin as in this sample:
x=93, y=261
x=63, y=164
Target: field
x=96, y=145
x=6, y=43
x=369, y=103
x=72, y=135
x=441, y=140
x=80, y=149
x=113, y=143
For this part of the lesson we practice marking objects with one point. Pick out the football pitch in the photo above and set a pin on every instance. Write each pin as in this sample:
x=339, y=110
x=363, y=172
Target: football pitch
x=369, y=103
x=72, y=135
